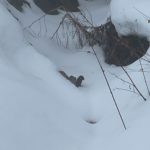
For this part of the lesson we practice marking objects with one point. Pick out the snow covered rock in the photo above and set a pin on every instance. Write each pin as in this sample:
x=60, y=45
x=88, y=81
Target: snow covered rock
x=122, y=50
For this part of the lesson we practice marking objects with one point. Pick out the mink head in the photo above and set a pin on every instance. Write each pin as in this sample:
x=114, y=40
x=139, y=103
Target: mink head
x=79, y=81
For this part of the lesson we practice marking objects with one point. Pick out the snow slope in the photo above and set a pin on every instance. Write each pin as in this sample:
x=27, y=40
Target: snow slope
x=34, y=112
x=40, y=110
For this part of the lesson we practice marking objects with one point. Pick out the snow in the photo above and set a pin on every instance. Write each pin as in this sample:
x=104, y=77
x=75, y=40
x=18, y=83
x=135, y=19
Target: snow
x=41, y=110
x=131, y=16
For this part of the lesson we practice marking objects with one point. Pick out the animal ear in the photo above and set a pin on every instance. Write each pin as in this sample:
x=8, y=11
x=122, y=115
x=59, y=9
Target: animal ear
x=81, y=77
x=79, y=81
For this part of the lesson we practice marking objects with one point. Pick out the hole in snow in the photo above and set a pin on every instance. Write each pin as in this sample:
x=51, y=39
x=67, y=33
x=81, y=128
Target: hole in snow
x=91, y=121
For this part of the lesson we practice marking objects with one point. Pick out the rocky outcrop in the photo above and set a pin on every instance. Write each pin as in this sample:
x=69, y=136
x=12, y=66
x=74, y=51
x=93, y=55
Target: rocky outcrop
x=122, y=50
x=51, y=6
x=18, y=4
x=70, y=5
x=48, y=6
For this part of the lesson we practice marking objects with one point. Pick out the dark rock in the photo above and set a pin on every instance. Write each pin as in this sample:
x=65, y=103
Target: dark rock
x=124, y=50
x=18, y=4
x=70, y=5
x=51, y=6
x=48, y=6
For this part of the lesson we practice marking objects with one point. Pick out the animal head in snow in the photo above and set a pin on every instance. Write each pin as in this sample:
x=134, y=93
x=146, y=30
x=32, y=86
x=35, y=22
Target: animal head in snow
x=79, y=81
x=76, y=81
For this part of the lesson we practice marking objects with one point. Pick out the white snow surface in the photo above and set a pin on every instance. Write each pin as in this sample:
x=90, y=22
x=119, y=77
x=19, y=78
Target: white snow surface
x=41, y=110
x=131, y=16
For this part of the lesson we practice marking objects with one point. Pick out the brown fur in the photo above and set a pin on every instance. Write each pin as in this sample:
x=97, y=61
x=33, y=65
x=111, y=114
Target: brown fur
x=76, y=81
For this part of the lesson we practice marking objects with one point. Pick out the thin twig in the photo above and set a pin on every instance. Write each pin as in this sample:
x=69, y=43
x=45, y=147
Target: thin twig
x=121, y=79
x=126, y=90
x=144, y=77
x=145, y=16
x=103, y=71
x=133, y=83
x=29, y=26
x=58, y=27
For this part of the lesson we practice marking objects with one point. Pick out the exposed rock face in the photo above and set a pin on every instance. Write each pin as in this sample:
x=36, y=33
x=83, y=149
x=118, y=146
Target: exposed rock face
x=70, y=5
x=124, y=50
x=18, y=3
x=50, y=6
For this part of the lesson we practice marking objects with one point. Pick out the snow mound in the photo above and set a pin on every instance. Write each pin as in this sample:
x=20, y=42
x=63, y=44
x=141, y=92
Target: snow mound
x=131, y=16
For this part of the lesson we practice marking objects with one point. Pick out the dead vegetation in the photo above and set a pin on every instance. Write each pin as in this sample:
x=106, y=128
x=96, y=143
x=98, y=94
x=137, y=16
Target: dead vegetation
x=118, y=50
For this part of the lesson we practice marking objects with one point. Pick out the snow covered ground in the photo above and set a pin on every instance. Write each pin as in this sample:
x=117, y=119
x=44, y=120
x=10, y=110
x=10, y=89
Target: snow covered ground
x=40, y=110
